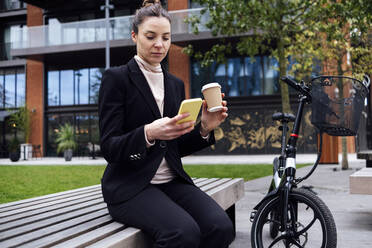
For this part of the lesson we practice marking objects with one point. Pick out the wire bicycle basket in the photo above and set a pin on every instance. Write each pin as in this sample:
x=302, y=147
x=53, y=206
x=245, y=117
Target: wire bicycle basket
x=337, y=104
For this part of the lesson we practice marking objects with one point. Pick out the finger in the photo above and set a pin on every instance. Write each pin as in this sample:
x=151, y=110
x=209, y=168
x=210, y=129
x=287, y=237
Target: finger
x=204, y=104
x=188, y=130
x=185, y=125
x=181, y=132
x=223, y=95
x=179, y=117
x=224, y=103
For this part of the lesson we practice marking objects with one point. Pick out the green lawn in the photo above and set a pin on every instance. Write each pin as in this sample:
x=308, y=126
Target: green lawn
x=22, y=182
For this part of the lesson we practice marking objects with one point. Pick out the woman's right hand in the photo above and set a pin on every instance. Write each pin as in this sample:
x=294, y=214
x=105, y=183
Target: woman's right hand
x=167, y=128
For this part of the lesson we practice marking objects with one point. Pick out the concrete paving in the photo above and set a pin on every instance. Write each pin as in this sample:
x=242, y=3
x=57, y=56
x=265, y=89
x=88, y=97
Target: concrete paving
x=352, y=213
x=189, y=160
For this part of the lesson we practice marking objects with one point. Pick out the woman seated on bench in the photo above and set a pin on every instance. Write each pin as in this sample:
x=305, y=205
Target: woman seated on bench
x=144, y=184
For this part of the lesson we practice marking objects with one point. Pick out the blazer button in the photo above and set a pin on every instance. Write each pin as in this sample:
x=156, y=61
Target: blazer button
x=163, y=144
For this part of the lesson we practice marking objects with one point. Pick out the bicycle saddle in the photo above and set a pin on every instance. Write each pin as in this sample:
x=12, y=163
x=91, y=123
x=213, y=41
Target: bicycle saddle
x=283, y=117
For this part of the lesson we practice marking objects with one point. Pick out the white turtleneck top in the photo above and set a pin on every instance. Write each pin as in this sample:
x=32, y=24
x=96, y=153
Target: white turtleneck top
x=155, y=78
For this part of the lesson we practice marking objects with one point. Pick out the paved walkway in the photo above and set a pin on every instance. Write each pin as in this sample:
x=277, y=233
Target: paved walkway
x=216, y=159
x=352, y=213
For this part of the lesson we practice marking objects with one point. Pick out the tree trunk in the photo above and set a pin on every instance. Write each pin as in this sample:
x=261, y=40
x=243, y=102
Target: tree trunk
x=344, y=161
x=286, y=107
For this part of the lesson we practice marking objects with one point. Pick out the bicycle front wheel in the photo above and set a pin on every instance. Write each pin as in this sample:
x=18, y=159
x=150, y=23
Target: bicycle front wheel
x=309, y=223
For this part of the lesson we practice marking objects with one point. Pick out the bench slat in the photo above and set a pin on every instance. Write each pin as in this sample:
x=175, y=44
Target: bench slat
x=92, y=236
x=40, y=208
x=129, y=237
x=198, y=180
x=214, y=184
x=51, y=221
x=228, y=193
x=79, y=218
x=205, y=182
x=16, y=204
x=60, y=232
x=35, y=204
x=48, y=215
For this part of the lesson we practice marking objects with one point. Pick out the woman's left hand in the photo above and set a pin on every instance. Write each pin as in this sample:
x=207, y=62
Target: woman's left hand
x=211, y=120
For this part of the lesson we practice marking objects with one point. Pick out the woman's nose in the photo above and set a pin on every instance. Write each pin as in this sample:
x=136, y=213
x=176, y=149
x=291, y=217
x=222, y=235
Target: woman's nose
x=158, y=43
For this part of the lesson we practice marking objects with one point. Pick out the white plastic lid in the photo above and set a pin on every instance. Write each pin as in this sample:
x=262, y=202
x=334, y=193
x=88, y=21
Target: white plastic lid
x=215, y=109
x=210, y=85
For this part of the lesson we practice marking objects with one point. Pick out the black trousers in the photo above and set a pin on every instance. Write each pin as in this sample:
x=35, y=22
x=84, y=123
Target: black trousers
x=176, y=214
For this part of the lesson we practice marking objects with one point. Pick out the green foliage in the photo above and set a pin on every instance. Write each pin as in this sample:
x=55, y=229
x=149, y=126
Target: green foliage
x=66, y=138
x=348, y=32
x=21, y=120
x=276, y=27
x=14, y=145
x=310, y=31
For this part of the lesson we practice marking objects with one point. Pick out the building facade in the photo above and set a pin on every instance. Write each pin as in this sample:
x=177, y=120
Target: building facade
x=53, y=56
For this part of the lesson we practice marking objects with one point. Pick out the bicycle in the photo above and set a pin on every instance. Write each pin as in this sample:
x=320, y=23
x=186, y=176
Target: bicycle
x=289, y=216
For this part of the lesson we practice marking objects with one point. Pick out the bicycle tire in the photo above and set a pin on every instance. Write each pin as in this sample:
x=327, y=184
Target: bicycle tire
x=302, y=200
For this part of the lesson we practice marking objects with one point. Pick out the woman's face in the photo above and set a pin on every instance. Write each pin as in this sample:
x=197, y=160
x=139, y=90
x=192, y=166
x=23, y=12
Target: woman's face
x=153, y=39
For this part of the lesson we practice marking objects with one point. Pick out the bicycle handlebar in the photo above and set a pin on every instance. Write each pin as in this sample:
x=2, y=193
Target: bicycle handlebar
x=301, y=88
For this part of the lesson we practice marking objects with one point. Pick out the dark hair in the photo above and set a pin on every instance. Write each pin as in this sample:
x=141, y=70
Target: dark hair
x=149, y=8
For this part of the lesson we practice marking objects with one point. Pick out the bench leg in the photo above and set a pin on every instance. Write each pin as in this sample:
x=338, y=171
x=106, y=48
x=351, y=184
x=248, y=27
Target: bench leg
x=231, y=213
x=369, y=163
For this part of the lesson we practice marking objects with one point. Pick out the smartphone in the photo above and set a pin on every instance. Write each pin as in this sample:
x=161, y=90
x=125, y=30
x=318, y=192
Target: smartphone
x=191, y=106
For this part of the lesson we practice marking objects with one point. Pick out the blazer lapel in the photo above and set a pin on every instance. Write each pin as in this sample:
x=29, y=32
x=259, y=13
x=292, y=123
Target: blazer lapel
x=140, y=82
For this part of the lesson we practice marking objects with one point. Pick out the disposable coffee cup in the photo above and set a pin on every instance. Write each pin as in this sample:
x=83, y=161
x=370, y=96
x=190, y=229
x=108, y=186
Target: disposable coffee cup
x=212, y=94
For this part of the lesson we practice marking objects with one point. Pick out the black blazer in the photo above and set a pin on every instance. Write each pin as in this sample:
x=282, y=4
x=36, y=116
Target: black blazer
x=126, y=104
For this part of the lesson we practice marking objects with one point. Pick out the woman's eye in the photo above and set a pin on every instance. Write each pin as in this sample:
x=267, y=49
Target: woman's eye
x=165, y=38
x=150, y=37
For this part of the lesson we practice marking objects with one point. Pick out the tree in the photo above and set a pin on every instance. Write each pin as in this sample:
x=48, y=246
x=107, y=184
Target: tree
x=277, y=27
x=21, y=120
x=348, y=32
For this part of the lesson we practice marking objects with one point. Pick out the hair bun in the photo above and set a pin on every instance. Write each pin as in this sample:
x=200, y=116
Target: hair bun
x=147, y=3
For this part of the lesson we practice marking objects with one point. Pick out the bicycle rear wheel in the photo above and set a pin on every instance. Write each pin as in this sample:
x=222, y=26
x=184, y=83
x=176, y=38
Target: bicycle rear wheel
x=310, y=223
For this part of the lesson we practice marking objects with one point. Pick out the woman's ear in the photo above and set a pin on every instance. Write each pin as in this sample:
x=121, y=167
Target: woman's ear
x=134, y=37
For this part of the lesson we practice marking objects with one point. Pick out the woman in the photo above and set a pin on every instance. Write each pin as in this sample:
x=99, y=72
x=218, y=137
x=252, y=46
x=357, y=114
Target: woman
x=144, y=184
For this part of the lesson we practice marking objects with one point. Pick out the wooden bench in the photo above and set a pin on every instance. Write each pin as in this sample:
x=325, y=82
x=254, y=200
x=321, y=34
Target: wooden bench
x=79, y=218
x=361, y=182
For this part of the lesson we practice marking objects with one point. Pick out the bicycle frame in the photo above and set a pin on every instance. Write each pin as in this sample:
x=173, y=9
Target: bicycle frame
x=284, y=176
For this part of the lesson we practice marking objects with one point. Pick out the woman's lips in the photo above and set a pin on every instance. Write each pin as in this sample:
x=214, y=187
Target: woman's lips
x=157, y=54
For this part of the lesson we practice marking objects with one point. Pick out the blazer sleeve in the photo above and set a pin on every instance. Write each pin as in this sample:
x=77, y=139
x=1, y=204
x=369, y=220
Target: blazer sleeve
x=193, y=141
x=117, y=145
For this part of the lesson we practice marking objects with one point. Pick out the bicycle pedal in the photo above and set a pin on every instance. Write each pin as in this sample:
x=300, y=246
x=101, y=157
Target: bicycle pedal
x=253, y=214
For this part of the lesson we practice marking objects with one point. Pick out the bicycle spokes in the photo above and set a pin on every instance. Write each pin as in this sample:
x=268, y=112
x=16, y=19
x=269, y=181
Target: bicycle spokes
x=302, y=227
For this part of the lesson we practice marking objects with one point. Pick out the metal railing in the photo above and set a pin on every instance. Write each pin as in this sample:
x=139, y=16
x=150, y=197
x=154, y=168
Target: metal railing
x=6, y=5
x=94, y=30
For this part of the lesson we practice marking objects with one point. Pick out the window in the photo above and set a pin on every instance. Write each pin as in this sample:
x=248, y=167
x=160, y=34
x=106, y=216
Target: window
x=53, y=88
x=95, y=77
x=20, y=88
x=73, y=87
x=240, y=76
x=86, y=131
x=81, y=86
x=10, y=89
x=67, y=87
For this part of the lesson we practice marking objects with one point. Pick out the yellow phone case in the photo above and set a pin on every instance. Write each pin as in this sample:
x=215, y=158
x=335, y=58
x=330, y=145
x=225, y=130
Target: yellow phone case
x=191, y=106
